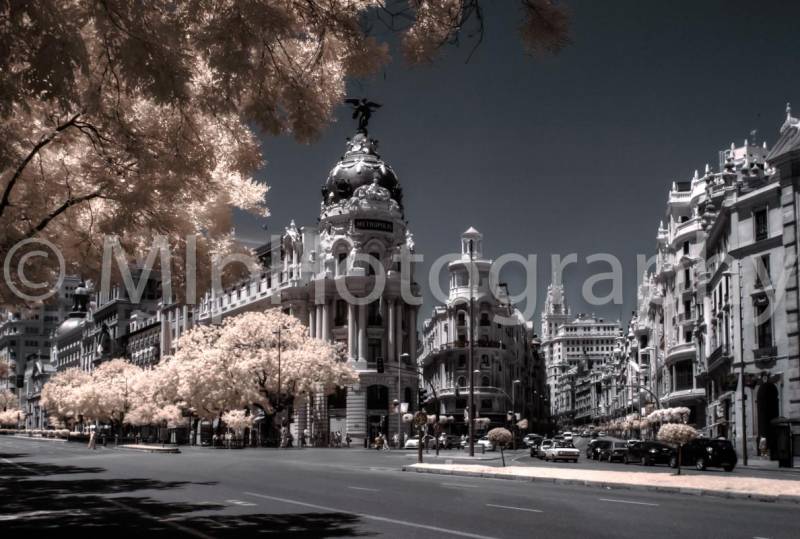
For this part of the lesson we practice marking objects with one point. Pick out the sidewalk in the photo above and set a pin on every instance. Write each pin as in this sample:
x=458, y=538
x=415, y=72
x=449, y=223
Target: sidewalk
x=757, y=463
x=756, y=488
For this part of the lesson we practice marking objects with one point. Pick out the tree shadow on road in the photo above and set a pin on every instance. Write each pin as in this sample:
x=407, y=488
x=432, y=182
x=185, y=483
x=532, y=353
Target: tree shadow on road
x=43, y=498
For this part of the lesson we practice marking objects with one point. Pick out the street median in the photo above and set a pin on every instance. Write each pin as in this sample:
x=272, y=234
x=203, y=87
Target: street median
x=710, y=484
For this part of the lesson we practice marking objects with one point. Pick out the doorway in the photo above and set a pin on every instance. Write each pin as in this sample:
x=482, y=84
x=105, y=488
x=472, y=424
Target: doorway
x=768, y=409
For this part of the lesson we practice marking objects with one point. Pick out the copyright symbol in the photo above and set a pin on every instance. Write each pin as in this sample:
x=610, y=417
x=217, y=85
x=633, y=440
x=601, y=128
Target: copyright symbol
x=27, y=258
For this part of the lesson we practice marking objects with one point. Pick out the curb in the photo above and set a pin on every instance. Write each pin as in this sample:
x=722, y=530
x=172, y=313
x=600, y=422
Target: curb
x=786, y=498
x=39, y=439
x=171, y=450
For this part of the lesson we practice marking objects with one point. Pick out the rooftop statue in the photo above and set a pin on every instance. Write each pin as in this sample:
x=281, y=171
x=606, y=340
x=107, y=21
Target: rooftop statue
x=362, y=110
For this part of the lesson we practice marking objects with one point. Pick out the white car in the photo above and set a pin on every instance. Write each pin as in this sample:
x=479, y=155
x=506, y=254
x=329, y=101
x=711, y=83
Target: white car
x=567, y=436
x=562, y=451
x=485, y=442
x=413, y=443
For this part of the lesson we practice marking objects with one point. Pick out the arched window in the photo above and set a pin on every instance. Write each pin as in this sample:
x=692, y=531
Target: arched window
x=462, y=318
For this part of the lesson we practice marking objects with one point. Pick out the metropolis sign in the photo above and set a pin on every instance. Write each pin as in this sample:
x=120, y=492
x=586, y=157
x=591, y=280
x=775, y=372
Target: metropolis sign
x=374, y=224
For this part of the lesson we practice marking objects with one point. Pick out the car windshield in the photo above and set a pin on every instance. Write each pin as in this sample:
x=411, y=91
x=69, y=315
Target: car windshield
x=620, y=445
x=603, y=443
x=563, y=444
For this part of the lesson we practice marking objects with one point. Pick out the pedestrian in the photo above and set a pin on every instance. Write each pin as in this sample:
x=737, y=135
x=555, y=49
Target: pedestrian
x=348, y=439
x=396, y=440
x=385, y=443
x=763, y=448
x=92, y=440
x=306, y=436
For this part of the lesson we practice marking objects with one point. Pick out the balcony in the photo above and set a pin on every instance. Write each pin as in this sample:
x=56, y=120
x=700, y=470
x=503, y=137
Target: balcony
x=686, y=319
x=718, y=357
x=680, y=351
x=765, y=357
x=684, y=397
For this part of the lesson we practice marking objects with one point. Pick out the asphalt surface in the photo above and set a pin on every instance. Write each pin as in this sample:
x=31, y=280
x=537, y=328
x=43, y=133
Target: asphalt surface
x=48, y=488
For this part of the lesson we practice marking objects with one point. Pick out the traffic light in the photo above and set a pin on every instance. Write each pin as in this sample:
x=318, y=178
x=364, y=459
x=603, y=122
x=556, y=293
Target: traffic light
x=423, y=395
x=380, y=365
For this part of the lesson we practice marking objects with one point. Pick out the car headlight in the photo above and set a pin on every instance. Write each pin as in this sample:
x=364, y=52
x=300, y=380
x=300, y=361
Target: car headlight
x=654, y=450
x=710, y=449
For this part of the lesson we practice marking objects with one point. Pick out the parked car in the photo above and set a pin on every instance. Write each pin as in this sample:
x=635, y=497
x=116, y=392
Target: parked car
x=534, y=447
x=465, y=442
x=649, y=453
x=485, y=442
x=704, y=453
x=598, y=446
x=413, y=443
x=562, y=451
x=613, y=451
x=567, y=436
x=544, y=446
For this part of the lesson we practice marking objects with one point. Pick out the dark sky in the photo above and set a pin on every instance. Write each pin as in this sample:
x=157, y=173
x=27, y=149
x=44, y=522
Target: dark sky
x=572, y=153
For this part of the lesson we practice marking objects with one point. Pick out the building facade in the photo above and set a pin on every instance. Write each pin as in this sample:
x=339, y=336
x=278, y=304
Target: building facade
x=350, y=279
x=507, y=370
x=717, y=321
x=576, y=350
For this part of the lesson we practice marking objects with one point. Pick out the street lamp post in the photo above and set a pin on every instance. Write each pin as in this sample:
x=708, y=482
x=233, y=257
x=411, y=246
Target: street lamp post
x=471, y=426
x=278, y=407
x=403, y=358
x=514, y=411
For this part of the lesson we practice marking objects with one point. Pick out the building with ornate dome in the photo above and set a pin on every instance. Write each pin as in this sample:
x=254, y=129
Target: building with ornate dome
x=314, y=272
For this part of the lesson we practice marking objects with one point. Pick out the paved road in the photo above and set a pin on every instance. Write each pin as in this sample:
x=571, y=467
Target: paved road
x=48, y=487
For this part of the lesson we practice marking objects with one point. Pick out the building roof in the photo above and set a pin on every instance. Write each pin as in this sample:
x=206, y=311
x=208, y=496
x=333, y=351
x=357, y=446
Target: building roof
x=789, y=140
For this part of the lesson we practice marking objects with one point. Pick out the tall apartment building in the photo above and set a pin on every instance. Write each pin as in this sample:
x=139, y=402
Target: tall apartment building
x=507, y=373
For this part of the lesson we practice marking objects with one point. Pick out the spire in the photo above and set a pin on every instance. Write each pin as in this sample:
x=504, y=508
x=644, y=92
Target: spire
x=708, y=169
x=788, y=110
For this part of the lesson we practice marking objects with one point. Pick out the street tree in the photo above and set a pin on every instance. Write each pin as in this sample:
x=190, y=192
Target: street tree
x=67, y=395
x=277, y=361
x=500, y=437
x=135, y=119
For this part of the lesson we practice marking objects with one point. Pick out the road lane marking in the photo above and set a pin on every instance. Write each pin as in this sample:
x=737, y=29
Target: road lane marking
x=34, y=472
x=459, y=485
x=240, y=502
x=514, y=508
x=627, y=501
x=365, y=488
x=370, y=517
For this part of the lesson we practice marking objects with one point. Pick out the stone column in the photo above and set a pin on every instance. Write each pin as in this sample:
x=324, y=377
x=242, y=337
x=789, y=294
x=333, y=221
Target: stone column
x=390, y=333
x=357, y=415
x=362, y=332
x=326, y=321
x=312, y=322
x=318, y=310
x=321, y=413
x=398, y=327
x=412, y=334
x=300, y=419
x=351, y=332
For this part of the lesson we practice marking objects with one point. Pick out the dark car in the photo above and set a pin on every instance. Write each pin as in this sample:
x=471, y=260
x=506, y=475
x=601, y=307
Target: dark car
x=594, y=448
x=613, y=451
x=705, y=452
x=533, y=445
x=649, y=453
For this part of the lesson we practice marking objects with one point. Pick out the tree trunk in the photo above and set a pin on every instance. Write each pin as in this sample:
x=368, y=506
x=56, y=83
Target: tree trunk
x=502, y=456
x=680, y=446
x=419, y=445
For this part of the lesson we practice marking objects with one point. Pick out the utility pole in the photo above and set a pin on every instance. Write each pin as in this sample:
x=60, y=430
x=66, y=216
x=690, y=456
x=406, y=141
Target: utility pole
x=400, y=360
x=471, y=427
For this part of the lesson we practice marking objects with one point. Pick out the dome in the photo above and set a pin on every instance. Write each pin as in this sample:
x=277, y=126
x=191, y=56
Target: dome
x=360, y=166
x=73, y=321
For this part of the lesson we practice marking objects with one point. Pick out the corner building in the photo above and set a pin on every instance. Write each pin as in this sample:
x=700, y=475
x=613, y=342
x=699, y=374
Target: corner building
x=315, y=271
